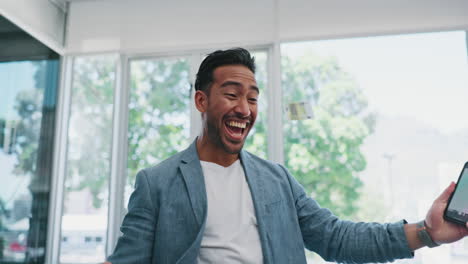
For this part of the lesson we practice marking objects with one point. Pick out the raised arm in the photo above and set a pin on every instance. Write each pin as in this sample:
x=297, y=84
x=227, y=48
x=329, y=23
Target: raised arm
x=439, y=230
x=344, y=241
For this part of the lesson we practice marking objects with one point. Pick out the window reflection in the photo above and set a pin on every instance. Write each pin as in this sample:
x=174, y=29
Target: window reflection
x=385, y=120
x=27, y=117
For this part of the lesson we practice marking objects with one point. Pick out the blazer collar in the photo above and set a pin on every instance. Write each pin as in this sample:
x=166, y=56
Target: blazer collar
x=254, y=180
x=193, y=176
x=256, y=183
x=190, y=153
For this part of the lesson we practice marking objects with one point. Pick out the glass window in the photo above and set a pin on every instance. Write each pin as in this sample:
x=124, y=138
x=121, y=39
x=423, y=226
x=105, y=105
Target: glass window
x=27, y=116
x=257, y=139
x=159, y=112
x=387, y=131
x=88, y=159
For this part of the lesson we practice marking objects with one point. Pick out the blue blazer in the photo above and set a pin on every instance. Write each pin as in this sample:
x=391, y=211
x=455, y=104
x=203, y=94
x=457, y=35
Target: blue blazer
x=167, y=214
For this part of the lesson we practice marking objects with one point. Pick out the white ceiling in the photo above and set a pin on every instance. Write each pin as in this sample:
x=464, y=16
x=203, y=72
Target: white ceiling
x=150, y=26
x=83, y=0
x=62, y=4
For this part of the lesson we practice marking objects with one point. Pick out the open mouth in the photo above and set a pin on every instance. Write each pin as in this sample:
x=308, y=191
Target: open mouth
x=236, y=129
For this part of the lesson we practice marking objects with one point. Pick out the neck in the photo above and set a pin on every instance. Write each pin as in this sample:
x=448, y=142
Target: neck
x=207, y=151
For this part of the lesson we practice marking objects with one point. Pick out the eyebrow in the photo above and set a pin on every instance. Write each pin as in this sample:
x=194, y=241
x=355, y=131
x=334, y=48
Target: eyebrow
x=229, y=83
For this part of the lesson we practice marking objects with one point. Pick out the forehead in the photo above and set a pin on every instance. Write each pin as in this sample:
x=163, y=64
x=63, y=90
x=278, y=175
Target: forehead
x=234, y=72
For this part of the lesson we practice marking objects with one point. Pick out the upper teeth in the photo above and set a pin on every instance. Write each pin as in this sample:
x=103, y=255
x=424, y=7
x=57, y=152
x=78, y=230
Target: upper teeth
x=237, y=124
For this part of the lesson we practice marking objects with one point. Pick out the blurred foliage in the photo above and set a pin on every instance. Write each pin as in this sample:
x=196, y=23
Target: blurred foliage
x=28, y=106
x=257, y=140
x=90, y=129
x=324, y=153
x=159, y=113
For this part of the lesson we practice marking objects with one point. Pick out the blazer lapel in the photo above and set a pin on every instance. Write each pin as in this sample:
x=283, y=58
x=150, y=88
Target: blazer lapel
x=193, y=176
x=195, y=183
x=255, y=181
x=257, y=191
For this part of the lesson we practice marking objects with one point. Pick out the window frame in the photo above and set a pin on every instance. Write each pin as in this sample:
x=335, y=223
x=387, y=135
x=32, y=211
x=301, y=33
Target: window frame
x=119, y=145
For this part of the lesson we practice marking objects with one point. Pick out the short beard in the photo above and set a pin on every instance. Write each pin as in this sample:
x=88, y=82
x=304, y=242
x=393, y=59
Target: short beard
x=214, y=132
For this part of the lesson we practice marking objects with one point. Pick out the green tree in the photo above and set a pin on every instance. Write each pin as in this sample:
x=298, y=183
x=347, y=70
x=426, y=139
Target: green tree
x=90, y=131
x=158, y=122
x=28, y=106
x=324, y=153
x=159, y=112
x=256, y=142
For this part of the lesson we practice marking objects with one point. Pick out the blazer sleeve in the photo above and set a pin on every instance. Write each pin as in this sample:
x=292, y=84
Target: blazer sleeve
x=345, y=241
x=138, y=226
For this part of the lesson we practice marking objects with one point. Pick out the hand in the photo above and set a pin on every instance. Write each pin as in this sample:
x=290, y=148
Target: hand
x=440, y=230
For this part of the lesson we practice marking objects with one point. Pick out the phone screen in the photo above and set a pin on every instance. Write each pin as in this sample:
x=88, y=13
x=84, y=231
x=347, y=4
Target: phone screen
x=458, y=206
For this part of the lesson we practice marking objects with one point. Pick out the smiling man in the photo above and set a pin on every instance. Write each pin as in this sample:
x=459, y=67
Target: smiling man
x=216, y=203
x=228, y=104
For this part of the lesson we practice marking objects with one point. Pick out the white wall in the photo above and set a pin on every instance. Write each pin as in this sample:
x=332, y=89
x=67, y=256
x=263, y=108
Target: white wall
x=153, y=26
x=306, y=19
x=40, y=18
x=161, y=25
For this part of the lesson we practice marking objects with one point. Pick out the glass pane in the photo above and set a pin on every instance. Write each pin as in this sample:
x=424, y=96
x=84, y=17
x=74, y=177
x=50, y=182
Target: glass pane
x=257, y=139
x=388, y=130
x=27, y=116
x=159, y=112
x=84, y=221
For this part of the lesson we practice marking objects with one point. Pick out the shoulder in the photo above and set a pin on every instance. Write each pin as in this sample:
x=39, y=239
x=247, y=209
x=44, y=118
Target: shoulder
x=264, y=165
x=273, y=173
x=165, y=166
x=164, y=173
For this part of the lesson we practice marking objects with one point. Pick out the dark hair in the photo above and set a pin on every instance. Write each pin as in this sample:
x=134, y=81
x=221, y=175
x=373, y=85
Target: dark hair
x=234, y=56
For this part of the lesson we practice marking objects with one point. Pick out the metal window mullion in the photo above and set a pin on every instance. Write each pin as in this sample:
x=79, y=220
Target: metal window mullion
x=118, y=153
x=275, y=106
x=195, y=118
x=59, y=161
x=466, y=42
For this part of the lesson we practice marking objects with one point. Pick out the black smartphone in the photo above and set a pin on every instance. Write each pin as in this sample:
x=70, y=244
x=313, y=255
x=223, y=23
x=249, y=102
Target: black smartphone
x=457, y=208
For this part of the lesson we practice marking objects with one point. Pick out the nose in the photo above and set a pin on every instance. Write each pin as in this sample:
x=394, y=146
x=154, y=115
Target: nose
x=243, y=108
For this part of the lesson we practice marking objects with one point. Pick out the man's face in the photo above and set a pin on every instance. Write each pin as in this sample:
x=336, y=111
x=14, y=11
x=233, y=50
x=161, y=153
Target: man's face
x=231, y=107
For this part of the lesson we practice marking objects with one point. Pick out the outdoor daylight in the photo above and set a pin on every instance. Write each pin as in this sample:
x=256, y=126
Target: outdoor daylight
x=233, y=132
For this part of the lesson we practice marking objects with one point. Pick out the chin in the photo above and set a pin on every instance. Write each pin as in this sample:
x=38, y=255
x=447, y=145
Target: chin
x=233, y=149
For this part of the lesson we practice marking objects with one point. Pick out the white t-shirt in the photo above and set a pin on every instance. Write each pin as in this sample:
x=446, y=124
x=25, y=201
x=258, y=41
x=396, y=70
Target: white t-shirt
x=231, y=232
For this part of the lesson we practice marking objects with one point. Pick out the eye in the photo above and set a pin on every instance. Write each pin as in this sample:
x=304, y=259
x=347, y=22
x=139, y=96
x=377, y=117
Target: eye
x=253, y=101
x=230, y=95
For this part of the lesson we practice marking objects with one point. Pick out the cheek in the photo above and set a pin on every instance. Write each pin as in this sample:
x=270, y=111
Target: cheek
x=221, y=107
x=254, y=111
x=217, y=112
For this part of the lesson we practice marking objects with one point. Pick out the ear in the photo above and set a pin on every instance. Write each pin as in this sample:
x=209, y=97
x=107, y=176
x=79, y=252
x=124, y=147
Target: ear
x=201, y=101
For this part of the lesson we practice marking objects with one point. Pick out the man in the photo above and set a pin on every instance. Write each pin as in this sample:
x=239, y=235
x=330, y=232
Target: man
x=216, y=203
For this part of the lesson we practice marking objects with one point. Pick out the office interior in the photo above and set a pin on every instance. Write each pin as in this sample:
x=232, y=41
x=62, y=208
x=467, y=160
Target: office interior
x=363, y=101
